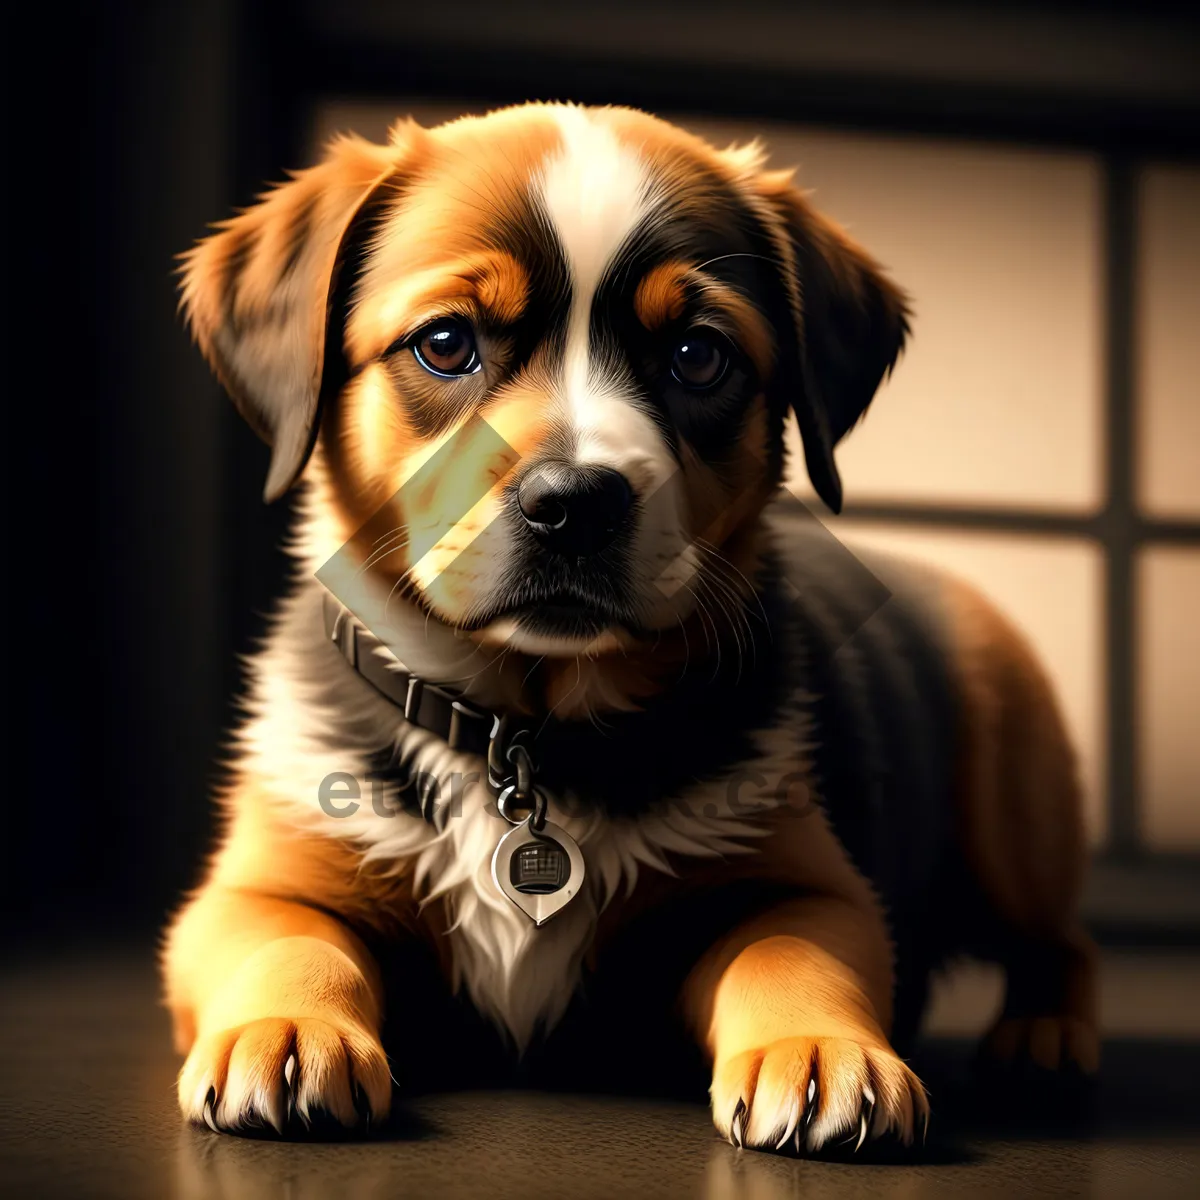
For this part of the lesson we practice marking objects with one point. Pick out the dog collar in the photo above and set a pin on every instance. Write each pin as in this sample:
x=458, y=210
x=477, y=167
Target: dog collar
x=537, y=866
x=463, y=726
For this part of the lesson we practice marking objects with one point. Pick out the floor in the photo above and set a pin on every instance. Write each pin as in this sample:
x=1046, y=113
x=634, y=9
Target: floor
x=86, y=1110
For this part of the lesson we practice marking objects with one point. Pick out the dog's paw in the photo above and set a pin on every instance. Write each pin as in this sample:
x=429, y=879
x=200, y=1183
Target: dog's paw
x=807, y=1094
x=1055, y=1043
x=287, y=1076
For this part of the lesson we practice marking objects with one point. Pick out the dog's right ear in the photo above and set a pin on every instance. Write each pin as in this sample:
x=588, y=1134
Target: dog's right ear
x=257, y=293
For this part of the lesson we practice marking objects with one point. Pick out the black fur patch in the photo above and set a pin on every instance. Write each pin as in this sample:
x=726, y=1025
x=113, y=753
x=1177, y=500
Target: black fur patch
x=699, y=728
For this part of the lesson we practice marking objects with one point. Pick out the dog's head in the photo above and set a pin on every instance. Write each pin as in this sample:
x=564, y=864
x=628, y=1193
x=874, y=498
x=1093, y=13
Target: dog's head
x=544, y=357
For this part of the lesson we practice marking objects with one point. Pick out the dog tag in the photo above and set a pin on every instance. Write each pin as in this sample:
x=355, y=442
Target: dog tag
x=540, y=872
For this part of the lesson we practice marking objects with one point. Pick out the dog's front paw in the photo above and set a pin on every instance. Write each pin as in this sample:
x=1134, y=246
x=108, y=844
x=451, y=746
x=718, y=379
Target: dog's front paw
x=805, y=1094
x=285, y=1075
x=1052, y=1043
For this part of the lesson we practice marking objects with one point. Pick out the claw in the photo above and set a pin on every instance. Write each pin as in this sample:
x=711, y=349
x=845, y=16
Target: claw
x=810, y=1109
x=865, y=1117
x=271, y=1115
x=862, y=1132
x=735, y=1126
x=291, y=1070
x=791, y=1127
x=209, y=1119
x=362, y=1105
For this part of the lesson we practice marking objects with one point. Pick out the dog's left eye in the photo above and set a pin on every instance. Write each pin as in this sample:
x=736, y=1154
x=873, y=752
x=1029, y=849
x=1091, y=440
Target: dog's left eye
x=447, y=348
x=700, y=359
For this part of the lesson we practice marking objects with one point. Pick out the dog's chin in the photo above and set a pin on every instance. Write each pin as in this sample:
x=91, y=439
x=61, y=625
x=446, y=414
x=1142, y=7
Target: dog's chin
x=556, y=631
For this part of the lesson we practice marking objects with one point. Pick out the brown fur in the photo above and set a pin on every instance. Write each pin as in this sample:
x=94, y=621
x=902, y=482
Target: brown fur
x=661, y=295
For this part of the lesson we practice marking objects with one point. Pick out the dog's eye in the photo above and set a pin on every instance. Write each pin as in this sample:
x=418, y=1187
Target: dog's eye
x=700, y=359
x=447, y=348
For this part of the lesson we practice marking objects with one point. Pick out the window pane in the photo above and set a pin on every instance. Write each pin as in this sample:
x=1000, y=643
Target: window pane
x=1169, y=696
x=1168, y=320
x=1051, y=589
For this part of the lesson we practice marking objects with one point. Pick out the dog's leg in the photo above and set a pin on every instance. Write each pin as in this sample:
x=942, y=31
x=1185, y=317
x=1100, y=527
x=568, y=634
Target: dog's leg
x=1023, y=840
x=792, y=1008
x=1049, y=1013
x=277, y=1006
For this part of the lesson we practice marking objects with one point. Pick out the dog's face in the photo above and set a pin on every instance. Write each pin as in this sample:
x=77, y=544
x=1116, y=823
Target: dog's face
x=545, y=357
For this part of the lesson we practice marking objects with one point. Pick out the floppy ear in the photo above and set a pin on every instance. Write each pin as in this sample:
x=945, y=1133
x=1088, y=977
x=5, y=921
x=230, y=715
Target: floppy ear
x=851, y=322
x=257, y=295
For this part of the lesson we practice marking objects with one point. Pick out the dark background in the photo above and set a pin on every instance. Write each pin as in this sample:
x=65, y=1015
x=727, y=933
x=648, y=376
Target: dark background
x=142, y=557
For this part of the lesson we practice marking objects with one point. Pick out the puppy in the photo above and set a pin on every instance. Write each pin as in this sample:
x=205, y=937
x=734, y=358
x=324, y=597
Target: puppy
x=560, y=714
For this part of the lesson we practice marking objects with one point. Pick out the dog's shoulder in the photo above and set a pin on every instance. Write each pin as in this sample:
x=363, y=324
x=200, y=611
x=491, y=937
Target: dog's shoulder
x=876, y=659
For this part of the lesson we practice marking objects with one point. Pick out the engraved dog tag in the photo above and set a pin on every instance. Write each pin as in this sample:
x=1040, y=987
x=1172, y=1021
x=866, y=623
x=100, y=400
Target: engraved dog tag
x=539, y=872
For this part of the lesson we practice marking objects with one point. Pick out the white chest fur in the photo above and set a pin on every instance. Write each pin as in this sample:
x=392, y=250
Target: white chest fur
x=306, y=725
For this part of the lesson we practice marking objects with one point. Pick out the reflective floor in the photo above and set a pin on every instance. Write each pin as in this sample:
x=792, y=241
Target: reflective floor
x=86, y=1110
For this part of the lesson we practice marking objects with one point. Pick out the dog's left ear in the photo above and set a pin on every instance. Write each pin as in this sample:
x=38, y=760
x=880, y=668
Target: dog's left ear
x=851, y=322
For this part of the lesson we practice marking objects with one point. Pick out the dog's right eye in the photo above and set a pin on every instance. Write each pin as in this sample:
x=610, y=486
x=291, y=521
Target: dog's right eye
x=447, y=348
x=700, y=359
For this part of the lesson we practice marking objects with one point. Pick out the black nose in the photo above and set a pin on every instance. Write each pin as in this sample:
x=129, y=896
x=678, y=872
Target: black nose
x=574, y=511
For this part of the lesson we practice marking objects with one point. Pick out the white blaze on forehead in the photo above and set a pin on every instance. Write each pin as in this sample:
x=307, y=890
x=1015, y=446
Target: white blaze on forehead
x=596, y=191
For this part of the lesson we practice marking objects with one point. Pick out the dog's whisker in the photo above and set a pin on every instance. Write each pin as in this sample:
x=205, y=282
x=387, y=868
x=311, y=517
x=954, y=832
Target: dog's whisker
x=767, y=258
x=377, y=556
x=722, y=564
x=717, y=569
x=707, y=621
x=390, y=533
x=717, y=556
x=734, y=607
x=723, y=609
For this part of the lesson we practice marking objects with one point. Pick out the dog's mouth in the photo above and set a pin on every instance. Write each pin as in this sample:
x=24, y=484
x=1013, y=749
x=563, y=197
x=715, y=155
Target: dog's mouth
x=561, y=605
x=564, y=616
